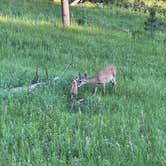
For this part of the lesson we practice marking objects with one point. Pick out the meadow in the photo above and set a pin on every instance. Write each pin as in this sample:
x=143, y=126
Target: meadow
x=45, y=127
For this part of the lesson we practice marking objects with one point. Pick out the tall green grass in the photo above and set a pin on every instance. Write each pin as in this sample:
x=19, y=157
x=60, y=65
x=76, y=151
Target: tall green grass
x=45, y=127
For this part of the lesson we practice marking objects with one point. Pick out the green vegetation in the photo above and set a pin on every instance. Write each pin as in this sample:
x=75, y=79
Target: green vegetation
x=152, y=23
x=45, y=127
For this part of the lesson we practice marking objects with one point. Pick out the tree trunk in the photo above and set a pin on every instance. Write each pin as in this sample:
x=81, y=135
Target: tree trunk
x=65, y=12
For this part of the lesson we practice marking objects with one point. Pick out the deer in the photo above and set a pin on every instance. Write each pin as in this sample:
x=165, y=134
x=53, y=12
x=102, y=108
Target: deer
x=101, y=77
x=74, y=88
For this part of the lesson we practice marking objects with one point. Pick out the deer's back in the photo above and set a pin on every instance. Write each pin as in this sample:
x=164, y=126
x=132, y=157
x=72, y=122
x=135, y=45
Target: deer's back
x=106, y=74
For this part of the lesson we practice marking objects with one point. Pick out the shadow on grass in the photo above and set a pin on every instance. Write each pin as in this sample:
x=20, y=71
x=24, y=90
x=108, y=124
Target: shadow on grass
x=46, y=11
x=57, y=26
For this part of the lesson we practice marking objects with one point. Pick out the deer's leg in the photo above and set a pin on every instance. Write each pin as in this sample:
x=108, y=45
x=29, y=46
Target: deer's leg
x=113, y=82
x=96, y=88
x=75, y=96
x=103, y=86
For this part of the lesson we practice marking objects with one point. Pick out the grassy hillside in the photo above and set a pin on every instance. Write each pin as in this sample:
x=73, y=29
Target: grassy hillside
x=45, y=127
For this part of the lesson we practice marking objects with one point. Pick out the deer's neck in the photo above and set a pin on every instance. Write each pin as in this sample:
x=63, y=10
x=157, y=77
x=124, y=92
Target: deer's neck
x=92, y=80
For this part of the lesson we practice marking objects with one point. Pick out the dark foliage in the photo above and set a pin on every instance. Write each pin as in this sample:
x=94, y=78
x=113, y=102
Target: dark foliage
x=153, y=23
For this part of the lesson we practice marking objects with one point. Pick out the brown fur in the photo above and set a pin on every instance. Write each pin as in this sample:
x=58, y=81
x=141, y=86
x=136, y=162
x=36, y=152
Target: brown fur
x=74, y=89
x=101, y=77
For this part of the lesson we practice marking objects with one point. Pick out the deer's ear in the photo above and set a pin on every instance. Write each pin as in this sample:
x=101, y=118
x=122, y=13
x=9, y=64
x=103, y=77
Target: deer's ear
x=79, y=75
x=85, y=75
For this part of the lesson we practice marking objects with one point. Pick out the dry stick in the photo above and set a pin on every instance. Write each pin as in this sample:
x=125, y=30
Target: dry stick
x=36, y=85
x=66, y=68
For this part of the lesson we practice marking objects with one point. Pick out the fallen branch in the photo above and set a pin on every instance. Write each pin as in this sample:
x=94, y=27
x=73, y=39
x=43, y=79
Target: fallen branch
x=35, y=85
x=66, y=68
x=75, y=2
x=19, y=89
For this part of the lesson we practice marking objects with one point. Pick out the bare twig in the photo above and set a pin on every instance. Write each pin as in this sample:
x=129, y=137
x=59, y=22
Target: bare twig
x=36, y=77
x=66, y=68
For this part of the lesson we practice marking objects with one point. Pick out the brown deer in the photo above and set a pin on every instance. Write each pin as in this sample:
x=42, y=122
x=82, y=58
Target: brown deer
x=101, y=77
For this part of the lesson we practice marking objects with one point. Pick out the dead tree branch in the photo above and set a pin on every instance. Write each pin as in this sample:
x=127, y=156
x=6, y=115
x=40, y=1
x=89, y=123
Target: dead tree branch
x=75, y=2
x=33, y=86
x=66, y=68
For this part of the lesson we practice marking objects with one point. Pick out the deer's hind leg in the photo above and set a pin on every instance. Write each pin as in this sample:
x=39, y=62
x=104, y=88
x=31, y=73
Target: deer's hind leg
x=96, y=88
x=113, y=82
x=103, y=89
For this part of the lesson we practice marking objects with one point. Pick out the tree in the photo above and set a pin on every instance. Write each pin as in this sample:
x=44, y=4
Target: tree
x=151, y=24
x=65, y=12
